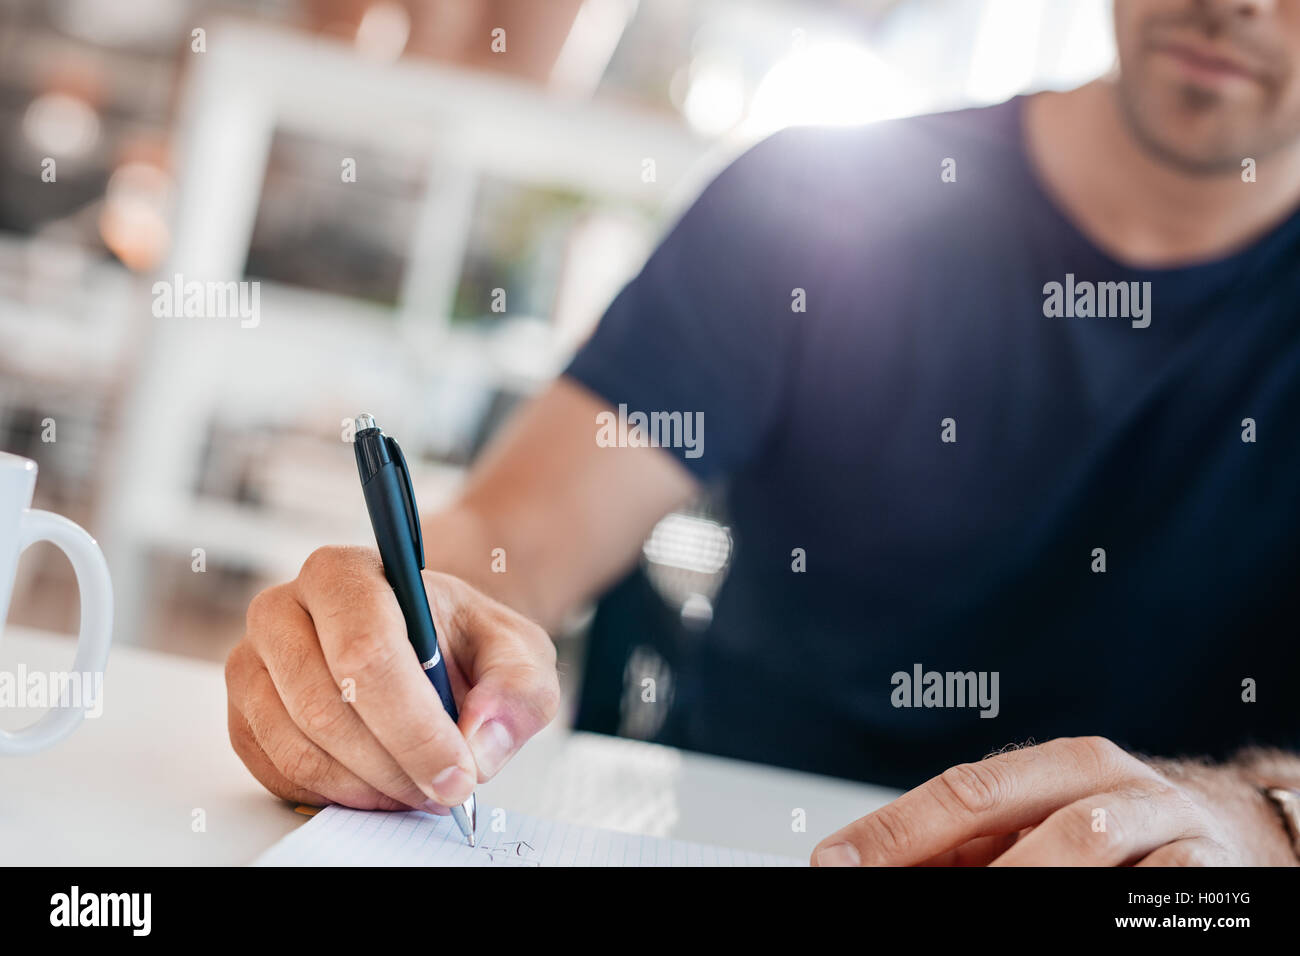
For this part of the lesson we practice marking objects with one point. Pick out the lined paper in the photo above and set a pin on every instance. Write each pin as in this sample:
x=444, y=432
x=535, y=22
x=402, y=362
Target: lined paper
x=338, y=836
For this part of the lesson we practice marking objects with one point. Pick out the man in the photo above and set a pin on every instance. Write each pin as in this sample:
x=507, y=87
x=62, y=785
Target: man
x=1008, y=393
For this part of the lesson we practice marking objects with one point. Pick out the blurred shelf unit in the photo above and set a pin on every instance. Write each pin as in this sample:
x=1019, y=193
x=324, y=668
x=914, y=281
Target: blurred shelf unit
x=64, y=311
x=419, y=346
x=255, y=84
x=65, y=321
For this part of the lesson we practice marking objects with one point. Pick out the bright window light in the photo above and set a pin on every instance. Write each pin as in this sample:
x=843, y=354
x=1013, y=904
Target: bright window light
x=1006, y=50
x=832, y=83
x=1089, y=47
x=715, y=99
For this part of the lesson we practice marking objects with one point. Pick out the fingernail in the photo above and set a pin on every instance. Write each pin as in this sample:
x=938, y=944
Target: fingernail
x=839, y=854
x=452, y=787
x=432, y=806
x=491, y=745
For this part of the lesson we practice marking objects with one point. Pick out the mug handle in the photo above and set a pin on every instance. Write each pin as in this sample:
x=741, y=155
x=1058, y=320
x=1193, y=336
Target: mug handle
x=96, y=589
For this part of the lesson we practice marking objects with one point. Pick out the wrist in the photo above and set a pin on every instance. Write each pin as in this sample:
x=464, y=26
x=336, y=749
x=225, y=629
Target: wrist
x=1247, y=821
x=1287, y=802
x=1276, y=774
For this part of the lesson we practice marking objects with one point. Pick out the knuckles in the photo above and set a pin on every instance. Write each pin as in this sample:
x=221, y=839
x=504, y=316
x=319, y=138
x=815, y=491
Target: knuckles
x=1098, y=757
x=883, y=836
x=324, y=563
x=236, y=662
x=443, y=740
x=268, y=619
x=973, y=788
x=1088, y=842
x=262, y=609
x=319, y=713
x=301, y=763
x=1102, y=749
x=364, y=654
x=370, y=652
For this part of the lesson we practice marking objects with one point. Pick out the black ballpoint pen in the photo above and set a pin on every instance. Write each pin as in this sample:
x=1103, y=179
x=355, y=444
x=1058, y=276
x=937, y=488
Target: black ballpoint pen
x=390, y=499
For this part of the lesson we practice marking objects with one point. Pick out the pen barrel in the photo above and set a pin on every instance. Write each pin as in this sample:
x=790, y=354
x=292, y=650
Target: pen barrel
x=384, y=501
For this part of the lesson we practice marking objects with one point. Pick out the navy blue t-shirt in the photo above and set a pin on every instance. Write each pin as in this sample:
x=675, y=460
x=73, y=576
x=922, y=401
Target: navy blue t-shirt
x=925, y=302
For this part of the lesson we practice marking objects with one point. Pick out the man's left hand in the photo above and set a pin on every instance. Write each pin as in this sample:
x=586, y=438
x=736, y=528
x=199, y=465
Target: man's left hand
x=1074, y=801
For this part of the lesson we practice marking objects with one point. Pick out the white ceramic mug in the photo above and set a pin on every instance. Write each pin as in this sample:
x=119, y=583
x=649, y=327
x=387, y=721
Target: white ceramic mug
x=21, y=526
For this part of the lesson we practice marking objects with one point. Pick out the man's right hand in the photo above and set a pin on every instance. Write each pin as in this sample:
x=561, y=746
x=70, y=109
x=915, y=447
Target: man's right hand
x=328, y=704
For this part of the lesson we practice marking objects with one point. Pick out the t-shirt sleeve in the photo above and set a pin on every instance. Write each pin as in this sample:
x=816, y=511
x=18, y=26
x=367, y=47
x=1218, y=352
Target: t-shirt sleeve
x=708, y=325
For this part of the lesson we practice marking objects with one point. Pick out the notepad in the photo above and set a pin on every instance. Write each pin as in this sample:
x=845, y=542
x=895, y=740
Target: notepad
x=338, y=836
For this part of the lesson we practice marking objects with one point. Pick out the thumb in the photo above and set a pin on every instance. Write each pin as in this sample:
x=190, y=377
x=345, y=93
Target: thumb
x=506, y=707
x=508, y=664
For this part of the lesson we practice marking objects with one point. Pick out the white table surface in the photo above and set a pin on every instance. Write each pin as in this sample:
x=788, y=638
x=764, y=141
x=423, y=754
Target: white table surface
x=123, y=788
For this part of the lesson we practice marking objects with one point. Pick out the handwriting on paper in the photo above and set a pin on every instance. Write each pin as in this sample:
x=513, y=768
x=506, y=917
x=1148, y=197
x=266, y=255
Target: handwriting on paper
x=511, y=853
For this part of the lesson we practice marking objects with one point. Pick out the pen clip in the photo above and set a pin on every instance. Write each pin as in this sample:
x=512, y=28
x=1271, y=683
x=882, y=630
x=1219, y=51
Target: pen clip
x=408, y=498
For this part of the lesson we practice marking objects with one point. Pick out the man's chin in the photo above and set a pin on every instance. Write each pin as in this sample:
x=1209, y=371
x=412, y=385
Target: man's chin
x=1194, y=132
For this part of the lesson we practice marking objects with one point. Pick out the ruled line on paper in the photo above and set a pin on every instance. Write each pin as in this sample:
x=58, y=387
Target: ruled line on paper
x=338, y=836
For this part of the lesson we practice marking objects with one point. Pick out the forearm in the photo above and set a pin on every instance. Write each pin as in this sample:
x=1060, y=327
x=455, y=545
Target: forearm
x=502, y=564
x=548, y=518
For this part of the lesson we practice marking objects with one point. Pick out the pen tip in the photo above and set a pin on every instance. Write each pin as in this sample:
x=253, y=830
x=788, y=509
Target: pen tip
x=466, y=818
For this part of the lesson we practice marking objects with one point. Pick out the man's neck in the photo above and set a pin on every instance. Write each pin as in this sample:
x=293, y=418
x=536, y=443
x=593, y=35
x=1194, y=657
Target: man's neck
x=1133, y=206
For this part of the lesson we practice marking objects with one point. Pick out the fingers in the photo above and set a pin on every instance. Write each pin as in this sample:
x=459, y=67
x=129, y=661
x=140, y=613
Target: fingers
x=1107, y=829
x=363, y=638
x=328, y=700
x=247, y=749
x=1000, y=794
x=978, y=852
x=1193, y=851
x=509, y=662
x=280, y=755
x=282, y=634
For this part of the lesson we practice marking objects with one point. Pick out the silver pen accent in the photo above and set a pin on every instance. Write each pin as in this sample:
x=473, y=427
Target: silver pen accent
x=466, y=817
